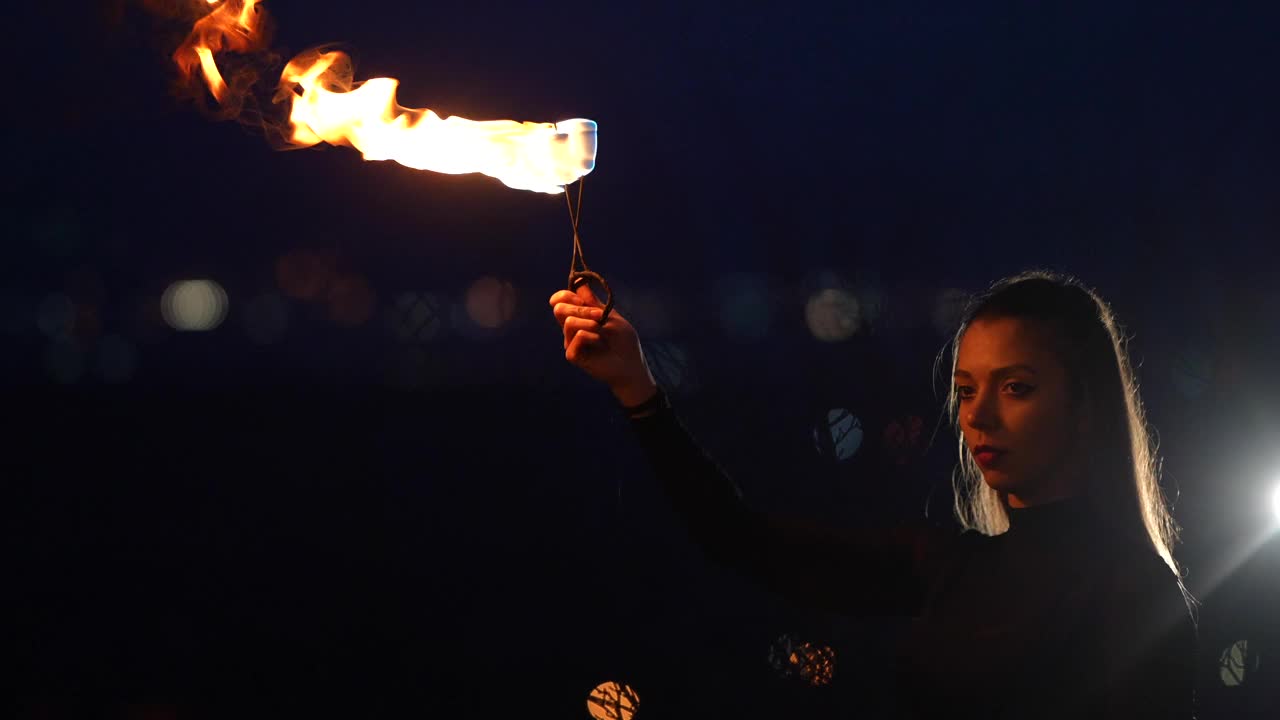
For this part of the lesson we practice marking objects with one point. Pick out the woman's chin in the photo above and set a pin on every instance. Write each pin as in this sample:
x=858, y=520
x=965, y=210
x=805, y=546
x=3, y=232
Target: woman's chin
x=999, y=481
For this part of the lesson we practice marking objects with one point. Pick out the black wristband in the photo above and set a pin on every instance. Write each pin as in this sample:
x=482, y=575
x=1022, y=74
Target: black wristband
x=658, y=401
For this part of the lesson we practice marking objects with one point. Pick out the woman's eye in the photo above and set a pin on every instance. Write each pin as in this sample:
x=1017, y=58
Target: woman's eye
x=1018, y=388
x=964, y=392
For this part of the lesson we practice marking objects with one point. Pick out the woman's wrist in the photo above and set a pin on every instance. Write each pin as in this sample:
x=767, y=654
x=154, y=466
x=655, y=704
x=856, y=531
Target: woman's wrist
x=654, y=405
x=635, y=394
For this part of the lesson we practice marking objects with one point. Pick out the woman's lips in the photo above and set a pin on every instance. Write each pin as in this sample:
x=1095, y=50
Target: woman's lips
x=988, y=457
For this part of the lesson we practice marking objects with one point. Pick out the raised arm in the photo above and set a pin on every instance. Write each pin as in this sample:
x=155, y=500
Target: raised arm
x=880, y=571
x=847, y=570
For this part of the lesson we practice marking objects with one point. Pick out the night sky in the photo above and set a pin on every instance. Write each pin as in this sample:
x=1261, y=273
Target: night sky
x=376, y=484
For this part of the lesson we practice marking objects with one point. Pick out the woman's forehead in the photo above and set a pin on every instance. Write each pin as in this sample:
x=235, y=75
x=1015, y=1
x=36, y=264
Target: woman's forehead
x=1003, y=342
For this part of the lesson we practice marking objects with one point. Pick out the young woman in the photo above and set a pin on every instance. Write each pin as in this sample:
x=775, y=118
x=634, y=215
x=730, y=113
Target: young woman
x=1060, y=598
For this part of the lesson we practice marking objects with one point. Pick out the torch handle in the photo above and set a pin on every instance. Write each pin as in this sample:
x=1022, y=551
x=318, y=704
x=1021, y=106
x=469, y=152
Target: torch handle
x=582, y=277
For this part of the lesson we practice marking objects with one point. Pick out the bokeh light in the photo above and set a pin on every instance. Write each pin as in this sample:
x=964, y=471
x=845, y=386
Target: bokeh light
x=903, y=439
x=416, y=317
x=194, y=305
x=350, y=300
x=833, y=314
x=490, y=302
x=780, y=651
x=812, y=664
x=613, y=701
x=304, y=274
x=1237, y=664
x=815, y=664
x=839, y=436
x=88, y=323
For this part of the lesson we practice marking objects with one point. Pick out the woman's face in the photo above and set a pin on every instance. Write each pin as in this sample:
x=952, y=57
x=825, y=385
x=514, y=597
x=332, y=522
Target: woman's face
x=1015, y=411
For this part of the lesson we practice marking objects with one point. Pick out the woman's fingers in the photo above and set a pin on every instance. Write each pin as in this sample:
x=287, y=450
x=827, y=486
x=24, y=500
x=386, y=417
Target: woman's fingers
x=572, y=314
x=564, y=296
x=563, y=311
x=583, y=296
x=574, y=324
x=582, y=343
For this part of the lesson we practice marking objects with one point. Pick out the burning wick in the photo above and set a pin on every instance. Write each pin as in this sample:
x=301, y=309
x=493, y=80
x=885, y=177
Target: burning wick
x=329, y=107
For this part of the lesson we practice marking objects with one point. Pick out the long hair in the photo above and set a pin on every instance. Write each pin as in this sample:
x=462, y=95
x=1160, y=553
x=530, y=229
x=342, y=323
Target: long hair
x=1122, y=478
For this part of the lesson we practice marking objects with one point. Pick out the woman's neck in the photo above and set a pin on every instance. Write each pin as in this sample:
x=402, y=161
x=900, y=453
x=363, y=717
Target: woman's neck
x=1061, y=517
x=1025, y=500
x=1064, y=480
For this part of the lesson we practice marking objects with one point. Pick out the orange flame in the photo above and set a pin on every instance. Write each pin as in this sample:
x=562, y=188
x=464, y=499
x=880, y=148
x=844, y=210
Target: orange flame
x=328, y=105
x=233, y=25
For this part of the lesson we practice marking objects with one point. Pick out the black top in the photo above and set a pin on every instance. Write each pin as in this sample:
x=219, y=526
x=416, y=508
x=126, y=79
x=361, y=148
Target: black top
x=1055, y=618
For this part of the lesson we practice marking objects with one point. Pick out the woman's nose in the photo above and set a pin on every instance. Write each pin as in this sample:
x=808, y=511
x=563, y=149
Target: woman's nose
x=983, y=414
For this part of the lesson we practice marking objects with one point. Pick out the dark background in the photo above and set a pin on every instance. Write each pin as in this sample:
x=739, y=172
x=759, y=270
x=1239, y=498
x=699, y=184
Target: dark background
x=352, y=494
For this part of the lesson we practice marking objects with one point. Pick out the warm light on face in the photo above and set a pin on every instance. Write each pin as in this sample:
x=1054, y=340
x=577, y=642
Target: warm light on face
x=1012, y=394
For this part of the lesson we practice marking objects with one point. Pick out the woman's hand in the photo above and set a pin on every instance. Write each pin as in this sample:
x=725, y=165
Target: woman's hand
x=610, y=352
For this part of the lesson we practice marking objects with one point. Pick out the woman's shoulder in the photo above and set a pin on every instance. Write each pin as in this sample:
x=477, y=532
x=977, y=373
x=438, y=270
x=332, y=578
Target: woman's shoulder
x=1134, y=566
x=1144, y=594
x=938, y=547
